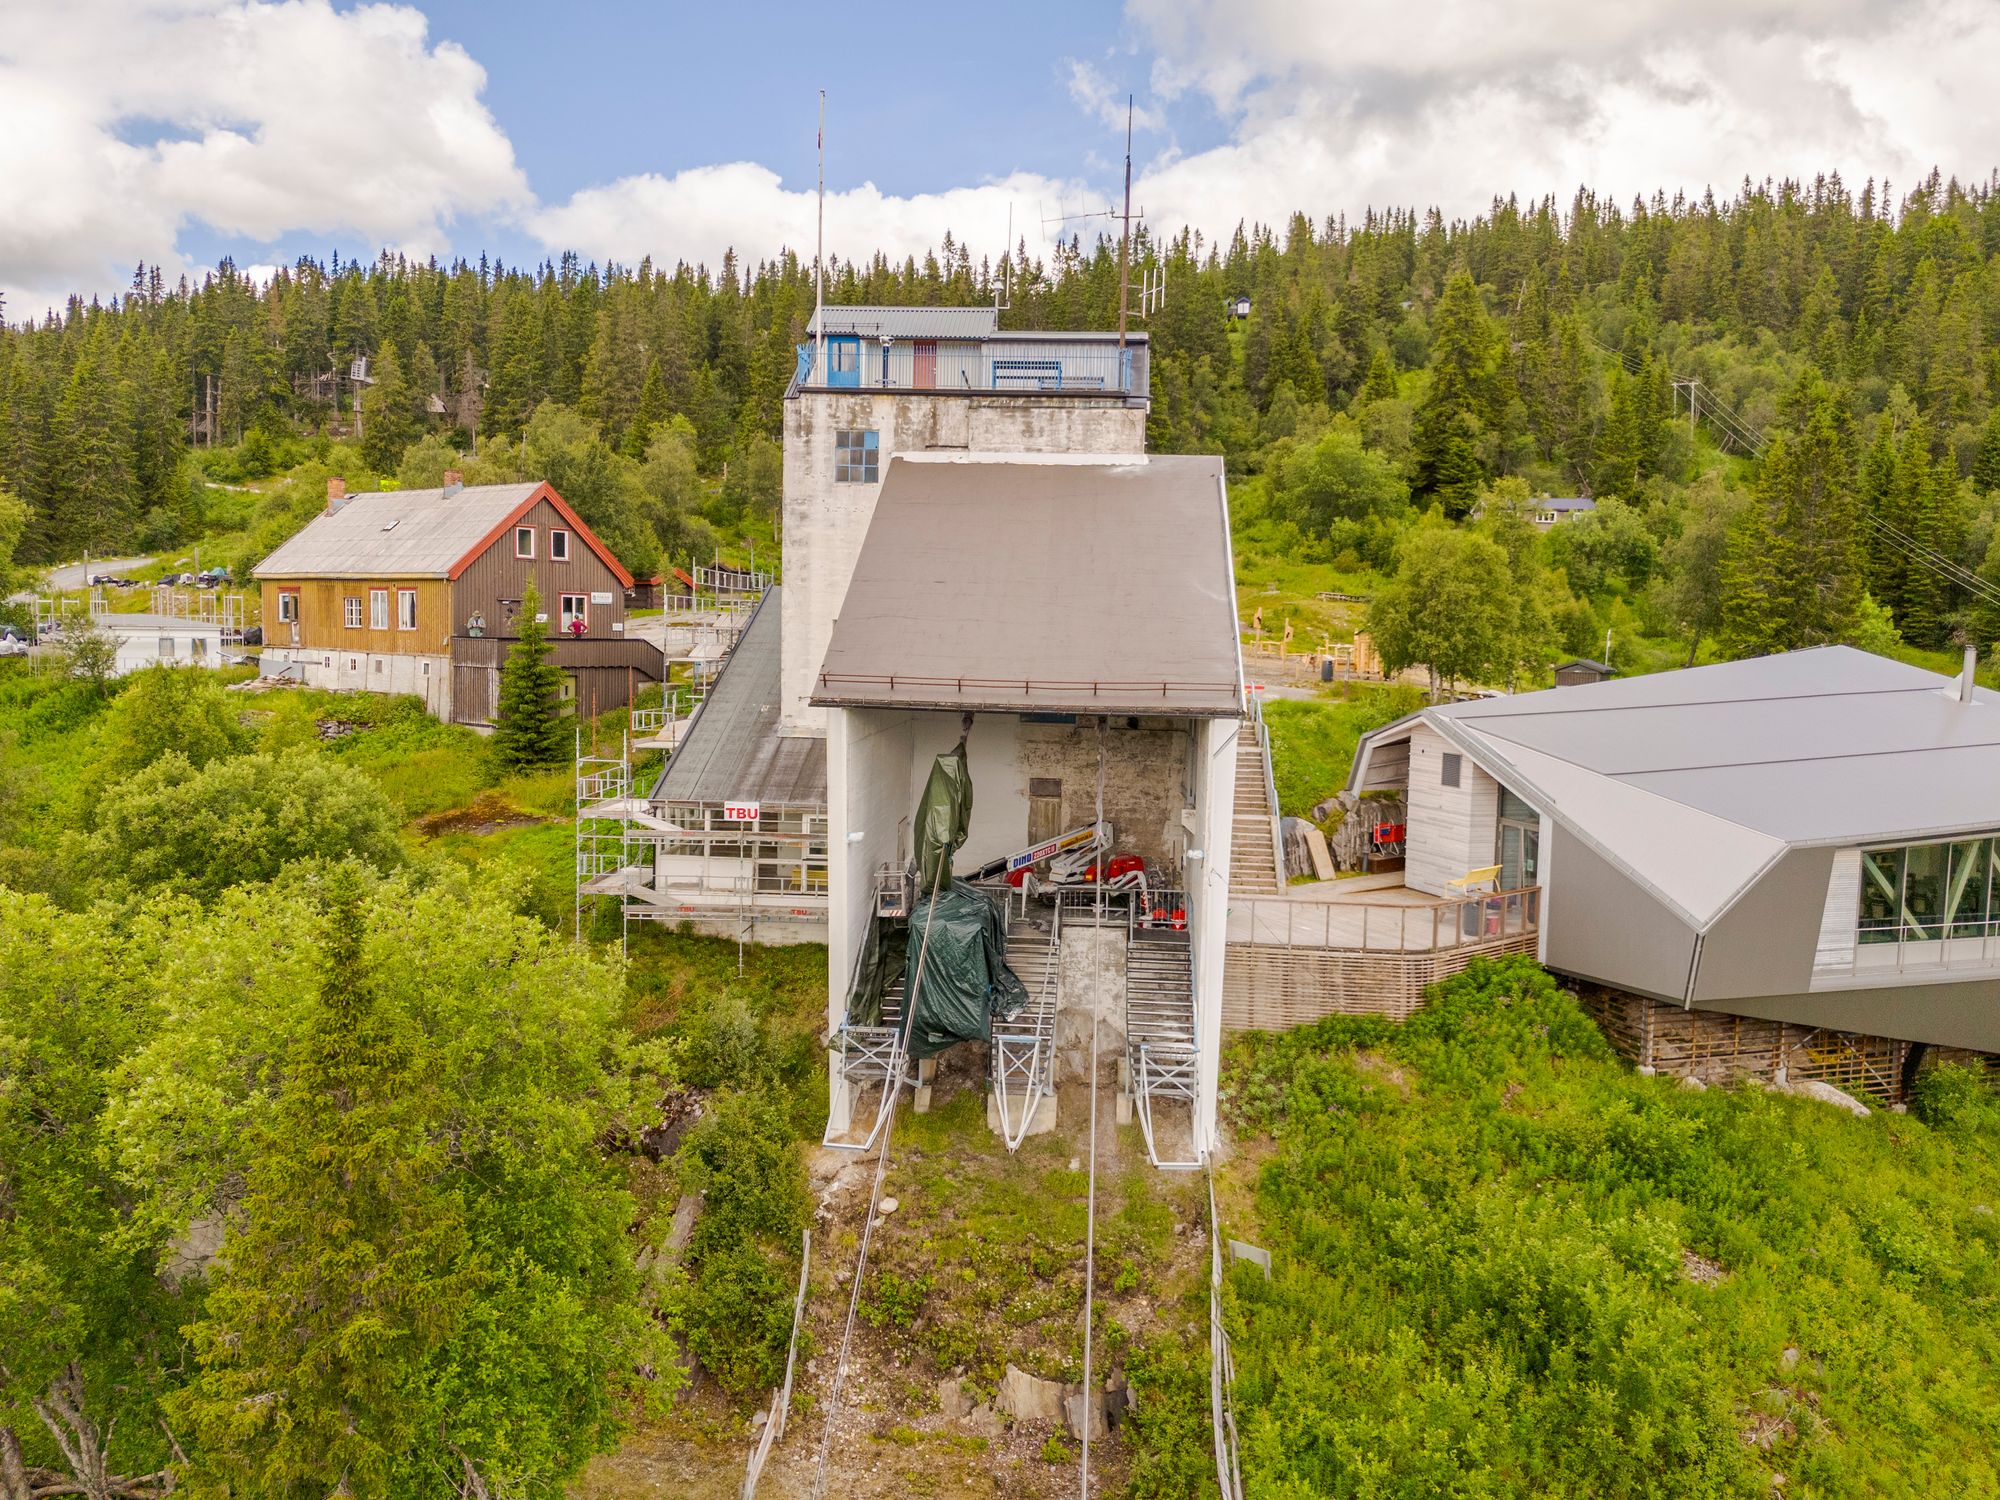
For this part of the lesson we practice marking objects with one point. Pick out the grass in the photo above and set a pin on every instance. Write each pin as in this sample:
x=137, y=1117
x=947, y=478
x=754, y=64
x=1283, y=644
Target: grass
x=1313, y=740
x=1505, y=1264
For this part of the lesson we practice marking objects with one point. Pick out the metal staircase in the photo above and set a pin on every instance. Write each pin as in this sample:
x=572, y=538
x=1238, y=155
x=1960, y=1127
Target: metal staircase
x=1253, y=844
x=1024, y=1048
x=1161, y=1049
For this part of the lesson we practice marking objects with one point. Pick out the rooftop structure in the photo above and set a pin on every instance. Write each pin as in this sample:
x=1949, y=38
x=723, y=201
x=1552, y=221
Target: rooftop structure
x=740, y=756
x=1066, y=583
x=945, y=350
x=1807, y=838
x=417, y=533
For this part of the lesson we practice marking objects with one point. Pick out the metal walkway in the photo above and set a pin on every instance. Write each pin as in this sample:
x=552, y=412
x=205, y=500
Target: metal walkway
x=1024, y=1048
x=1161, y=1049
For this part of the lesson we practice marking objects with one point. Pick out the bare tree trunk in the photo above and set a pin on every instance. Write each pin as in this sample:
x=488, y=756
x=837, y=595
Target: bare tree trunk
x=76, y=1435
x=13, y=1472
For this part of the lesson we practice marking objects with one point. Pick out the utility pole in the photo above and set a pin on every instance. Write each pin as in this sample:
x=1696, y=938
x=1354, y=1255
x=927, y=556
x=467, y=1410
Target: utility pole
x=819, y=255
x=1125, y=243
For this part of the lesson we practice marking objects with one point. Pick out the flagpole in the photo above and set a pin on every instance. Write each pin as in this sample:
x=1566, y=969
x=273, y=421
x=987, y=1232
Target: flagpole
x=819, y=256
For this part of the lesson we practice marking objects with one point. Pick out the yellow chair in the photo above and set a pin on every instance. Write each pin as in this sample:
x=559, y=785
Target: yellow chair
x=1486, y=875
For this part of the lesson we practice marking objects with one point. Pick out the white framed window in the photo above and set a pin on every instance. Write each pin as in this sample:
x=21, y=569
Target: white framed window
x=352, y=606
x=166, y=648
x=378, y=609
x=575, y=611
x=856, y=455
x=558, y=546
x=288, y=606
x=524, y=541
x=406, y=609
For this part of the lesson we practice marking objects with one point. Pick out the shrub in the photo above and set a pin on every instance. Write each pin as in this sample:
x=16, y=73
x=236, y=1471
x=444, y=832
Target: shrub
x=237, y=821
x=1955, y=1098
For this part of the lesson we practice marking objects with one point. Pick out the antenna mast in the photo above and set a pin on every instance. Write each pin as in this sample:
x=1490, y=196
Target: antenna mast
x=1125, y=241
x=819, y=255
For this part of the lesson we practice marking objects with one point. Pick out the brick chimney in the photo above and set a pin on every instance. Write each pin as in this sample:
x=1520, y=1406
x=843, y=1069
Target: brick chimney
x=336, y=495
x=454, y=481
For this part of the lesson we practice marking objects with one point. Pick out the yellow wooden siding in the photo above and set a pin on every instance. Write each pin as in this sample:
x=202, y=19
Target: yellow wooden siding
x=323, y=615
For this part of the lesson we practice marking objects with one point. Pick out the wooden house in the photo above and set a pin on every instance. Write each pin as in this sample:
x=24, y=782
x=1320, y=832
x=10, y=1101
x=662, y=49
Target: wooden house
x=420, y=591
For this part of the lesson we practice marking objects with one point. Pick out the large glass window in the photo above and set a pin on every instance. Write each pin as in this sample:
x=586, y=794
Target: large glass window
x=1925, y=892
x=856, y=455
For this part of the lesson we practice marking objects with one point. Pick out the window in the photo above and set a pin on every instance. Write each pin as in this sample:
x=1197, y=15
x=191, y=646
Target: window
x=558, y=546
x=524, y=541
x=575, y=616
x=378, y=609
x=288, y=607
x=1448, y=776
x=1928, y=892
x=166, y=648
x=198, y=646
x=353, y=609
x=406, y=609
x=856, y=456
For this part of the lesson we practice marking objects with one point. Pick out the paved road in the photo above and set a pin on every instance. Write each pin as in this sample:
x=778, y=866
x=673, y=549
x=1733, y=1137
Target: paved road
x=77, y=575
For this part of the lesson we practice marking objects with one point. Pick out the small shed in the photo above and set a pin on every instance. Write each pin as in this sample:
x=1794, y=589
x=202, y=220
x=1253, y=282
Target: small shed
x=145, y=640
x=1239, y=306
x=1581, y=672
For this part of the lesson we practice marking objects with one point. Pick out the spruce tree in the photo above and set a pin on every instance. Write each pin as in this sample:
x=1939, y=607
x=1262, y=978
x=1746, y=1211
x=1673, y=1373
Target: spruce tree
x=528, y=727
x=1986, y=466
x=346, y=1269
x=1381, y=382
x=1463, y=397
x=388, y=414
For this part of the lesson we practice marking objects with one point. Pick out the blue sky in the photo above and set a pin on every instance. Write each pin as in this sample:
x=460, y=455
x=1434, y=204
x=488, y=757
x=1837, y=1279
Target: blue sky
x=180, y=131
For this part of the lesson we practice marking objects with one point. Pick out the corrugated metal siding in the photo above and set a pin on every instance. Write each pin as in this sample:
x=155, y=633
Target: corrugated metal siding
x=908, y=322
x=734, y=751
x=432, y=530
x=496, y=575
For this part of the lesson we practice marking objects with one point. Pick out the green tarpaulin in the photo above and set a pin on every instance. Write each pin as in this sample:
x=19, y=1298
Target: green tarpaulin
x=957, y=933
x=960, y=940
x=944, y=812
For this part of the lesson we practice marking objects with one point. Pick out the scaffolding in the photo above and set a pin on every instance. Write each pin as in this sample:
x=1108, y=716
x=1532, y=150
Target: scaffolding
x=229, y=610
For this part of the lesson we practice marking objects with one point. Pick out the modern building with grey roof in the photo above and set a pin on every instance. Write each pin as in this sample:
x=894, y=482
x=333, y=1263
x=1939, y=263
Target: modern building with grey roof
x=1812, y=838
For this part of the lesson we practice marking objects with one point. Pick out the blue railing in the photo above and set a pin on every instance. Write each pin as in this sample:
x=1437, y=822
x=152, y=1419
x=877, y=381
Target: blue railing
x=1081, y=368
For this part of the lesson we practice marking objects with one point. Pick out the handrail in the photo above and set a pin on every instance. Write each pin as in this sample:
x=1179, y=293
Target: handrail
x=1221, y=1371
x=1382, y=927
x=1270, y=790
x=781, y=1399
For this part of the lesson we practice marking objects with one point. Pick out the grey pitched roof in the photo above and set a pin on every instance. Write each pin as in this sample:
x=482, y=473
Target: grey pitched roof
x=396, y=533
x=1059, y=583
x=1565, y=502
x=733, y=751
x=1694, y=781
x=909, y=322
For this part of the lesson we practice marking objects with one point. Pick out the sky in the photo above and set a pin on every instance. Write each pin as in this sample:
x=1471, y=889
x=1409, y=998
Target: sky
x=178, y=132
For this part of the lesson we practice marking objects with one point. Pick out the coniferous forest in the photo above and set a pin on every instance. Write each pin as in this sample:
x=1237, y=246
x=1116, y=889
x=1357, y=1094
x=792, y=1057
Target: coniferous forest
x=346, y=1149
x=1838, y=348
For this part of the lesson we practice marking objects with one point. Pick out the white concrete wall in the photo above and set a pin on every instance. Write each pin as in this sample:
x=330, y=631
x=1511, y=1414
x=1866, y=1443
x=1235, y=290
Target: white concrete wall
x=869, y=753
x=825, y=522
x=425, y=677
x=1210, y=823
x=1451, y=829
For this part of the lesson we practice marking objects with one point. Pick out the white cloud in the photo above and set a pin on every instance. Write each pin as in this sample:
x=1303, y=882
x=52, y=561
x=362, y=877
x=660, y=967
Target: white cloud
x=123, y=123
x=1383, y=102
x=1103, y=100
x=696, y=214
